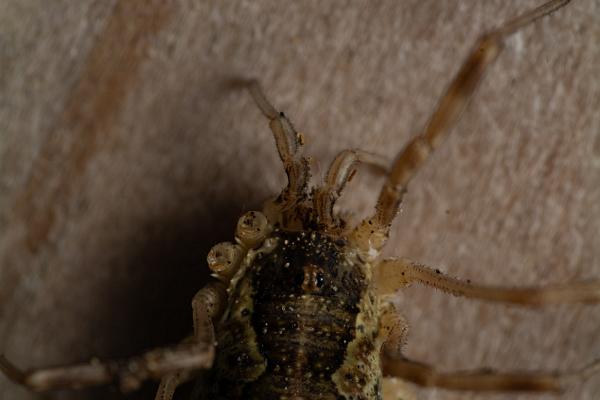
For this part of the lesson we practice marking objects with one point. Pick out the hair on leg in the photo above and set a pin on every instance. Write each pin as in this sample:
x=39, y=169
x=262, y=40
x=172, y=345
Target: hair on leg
x=392, y=274
x=449, y=108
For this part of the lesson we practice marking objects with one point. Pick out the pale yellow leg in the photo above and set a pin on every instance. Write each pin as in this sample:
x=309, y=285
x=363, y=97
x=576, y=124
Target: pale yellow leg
x=483, y=379
x=172, y=363
x=393, y=330
x=168, y=384
x=340, y=172
x=288, y=143
x=208, y=304
x=393, y=274
x=449, y=108
x=129, y=374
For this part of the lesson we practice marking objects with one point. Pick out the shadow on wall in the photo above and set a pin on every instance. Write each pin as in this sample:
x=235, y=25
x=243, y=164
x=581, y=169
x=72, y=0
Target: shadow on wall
x=159, y=264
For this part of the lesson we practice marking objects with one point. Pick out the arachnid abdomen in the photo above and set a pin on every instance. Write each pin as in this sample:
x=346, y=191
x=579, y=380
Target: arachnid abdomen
x=302, y=324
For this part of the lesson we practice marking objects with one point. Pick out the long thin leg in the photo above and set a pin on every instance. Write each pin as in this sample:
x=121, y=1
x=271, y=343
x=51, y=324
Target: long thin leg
x=129, y=374
x=175, y=364
x=288, y=143
x=392, y=274
x=339, y=174
x=393, y=332
x=208, y=305
x=483, y=379
x=449, y=108
x=168, y=384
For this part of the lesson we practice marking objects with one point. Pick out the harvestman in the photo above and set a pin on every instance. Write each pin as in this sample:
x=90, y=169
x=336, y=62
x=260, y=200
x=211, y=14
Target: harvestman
x=298, y=213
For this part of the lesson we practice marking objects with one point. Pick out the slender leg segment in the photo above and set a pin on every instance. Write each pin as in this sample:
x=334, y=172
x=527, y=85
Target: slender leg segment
x=393, y=330
x=169, y=384
x=208, y=305
x=175, y=364
x=129, y=374
x=340, y=172
x=449, y=108
x=392, y=274
x=288, y=143
x=484, y=379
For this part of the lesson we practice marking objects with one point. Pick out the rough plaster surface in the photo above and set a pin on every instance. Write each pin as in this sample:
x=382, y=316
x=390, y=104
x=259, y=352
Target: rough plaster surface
x=123, y=159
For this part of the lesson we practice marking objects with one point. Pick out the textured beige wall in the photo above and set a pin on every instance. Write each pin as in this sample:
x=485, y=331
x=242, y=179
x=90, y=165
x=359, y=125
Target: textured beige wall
x=123, y=159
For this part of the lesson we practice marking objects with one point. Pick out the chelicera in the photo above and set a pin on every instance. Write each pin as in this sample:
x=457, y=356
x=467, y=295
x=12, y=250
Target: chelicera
x=300, y=306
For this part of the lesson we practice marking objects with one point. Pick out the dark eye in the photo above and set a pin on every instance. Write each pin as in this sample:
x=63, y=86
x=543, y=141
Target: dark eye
x=320, y=280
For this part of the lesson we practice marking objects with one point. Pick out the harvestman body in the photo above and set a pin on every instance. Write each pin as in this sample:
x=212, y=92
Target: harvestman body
x=300, y=307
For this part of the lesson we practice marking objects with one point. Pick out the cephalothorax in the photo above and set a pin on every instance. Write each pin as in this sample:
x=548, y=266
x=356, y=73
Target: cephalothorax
x=300, y=306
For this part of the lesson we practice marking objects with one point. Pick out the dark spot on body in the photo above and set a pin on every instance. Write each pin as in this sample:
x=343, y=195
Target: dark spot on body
x=313, y=278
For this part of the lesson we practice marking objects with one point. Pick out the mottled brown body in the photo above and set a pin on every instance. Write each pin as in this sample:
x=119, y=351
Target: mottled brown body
x=302, y=324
